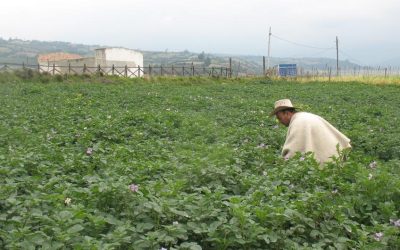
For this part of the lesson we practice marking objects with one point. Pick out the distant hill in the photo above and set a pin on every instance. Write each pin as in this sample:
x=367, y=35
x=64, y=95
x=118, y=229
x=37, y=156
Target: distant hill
x=394, y=62
x=18, y=51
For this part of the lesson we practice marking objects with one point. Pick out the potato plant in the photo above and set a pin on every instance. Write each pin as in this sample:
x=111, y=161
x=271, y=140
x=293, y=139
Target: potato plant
x=192, y=163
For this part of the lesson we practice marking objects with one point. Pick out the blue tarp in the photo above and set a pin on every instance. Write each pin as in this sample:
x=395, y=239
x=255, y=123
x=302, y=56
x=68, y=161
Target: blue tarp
x=287, y=70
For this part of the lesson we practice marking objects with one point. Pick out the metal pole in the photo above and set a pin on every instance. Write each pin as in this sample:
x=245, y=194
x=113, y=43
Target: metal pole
x=337, y=56
x=269, y=47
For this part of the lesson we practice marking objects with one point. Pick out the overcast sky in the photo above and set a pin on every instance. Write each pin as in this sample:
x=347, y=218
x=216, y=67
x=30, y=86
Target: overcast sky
x=368, y=30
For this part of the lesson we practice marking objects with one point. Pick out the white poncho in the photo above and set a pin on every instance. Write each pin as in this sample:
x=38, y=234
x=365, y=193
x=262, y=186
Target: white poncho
x=311, y=133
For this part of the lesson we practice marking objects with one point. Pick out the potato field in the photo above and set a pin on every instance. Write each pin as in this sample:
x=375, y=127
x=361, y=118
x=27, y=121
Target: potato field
x=192, y=163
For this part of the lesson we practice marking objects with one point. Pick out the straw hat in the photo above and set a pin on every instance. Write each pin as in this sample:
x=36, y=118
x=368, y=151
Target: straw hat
x=281, y=105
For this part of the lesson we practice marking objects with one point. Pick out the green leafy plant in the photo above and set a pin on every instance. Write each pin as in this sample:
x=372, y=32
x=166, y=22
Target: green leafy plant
x=192, y=163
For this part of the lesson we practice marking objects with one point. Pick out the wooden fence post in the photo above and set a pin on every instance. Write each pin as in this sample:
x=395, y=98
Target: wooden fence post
x=230, y=67
x=263, y=65
x=149, y=70
x=112, y=69
x=330, y=72
x=192, y=69
x=183, y=70
x=69, y=68
x=173, y=70
x=54, y=69
x=38, y=68
x=139, y=70
x=84, y=68
x=126, y=70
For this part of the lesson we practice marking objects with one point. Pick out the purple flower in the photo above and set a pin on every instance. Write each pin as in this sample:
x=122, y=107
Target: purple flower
x=89, y=151
x=302, y=158
x=373, y=165
x=134, y=188
x=395, y=223
x=262, y=145
x=378, y=236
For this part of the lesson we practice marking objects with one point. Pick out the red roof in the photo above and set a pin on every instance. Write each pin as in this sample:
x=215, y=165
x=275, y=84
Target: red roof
x=58, y=56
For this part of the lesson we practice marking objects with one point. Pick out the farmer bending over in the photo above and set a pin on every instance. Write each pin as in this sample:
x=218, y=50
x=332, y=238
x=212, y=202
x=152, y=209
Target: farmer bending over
x=308, y=133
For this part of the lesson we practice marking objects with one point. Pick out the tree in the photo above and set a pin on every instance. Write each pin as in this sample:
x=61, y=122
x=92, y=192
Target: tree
x=207, y=62
x=201, y=56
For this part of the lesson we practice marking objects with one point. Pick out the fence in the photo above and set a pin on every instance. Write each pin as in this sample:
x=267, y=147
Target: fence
x=331, y=72
x=125, y=71
x=360, y=71
x=192, y=70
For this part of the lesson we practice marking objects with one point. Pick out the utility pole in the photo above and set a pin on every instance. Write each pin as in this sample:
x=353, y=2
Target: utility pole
x=337, y=56
x=269, y=48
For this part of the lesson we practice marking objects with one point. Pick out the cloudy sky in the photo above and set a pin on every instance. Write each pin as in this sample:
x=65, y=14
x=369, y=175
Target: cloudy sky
x=368, y=30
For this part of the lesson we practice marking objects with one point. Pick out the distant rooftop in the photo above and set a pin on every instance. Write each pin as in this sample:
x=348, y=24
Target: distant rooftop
x=57, y=57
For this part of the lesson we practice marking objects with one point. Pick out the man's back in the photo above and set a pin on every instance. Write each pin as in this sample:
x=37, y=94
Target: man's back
x=311, y=133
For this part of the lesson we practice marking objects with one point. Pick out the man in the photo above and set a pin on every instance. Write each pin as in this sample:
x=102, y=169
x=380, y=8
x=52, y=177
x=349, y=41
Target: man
x=308, y=133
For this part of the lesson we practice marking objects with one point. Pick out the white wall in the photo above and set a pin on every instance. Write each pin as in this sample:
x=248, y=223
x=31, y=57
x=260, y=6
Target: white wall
x=125, y=56
x=119, y=58
x=63, y=66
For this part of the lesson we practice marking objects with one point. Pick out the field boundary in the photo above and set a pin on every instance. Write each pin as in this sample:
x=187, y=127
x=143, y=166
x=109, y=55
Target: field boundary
x=122, y=71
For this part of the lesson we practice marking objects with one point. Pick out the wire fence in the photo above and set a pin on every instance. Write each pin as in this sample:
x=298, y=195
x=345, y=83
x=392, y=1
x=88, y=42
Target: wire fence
x=360, y=71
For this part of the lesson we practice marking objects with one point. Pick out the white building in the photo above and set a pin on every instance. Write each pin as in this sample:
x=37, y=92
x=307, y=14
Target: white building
x=111, y=61
x=119, y=57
